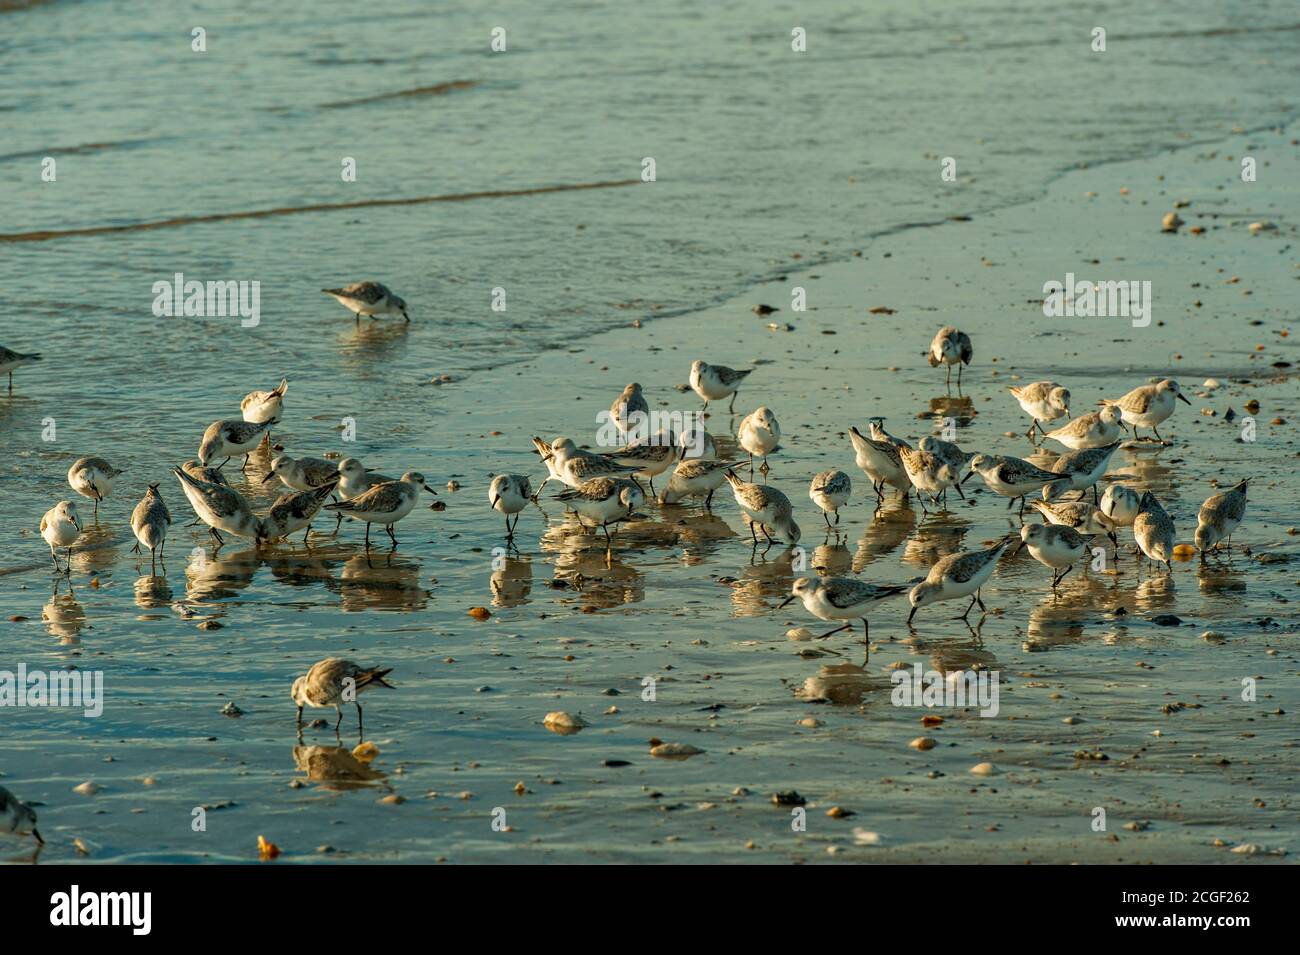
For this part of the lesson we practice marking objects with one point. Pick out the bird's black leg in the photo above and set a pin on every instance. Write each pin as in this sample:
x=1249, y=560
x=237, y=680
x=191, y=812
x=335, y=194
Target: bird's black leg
x=361, y=726
x=367, y=535
x=831, y=633
x=980, y=601
x=731, y=407
x=391, y=535
x=968, y=609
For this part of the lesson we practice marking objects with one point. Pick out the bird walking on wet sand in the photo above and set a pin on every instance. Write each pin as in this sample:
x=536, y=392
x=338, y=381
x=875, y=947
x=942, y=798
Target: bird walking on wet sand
x=368, y=298
x=950, y=347
x=841, y=598
x=1042, y=401
x=830, y=491
x=630, y=412
x=1153, y=529
x=10, y=360
x=295, y=511
x=604, y=501
x=695, y=478
x=17, y=818
x=1010, y=477
x=509, y=494
x=957, y=576
x=149, y=523
x=1055, y=546
x=60, y=527
x=1095, y=429
x=650, y=458
x=766, y=507
x=882, y=462
x=1220, y=515
x=302, y=474
x=385, y=504
x=1085, y=517
x=759, y=435
x=232, y=437
x=92, y=477
x=1147, y=406
x=571, y=465
x=221, y=507
x=261, y=406
x=715, y=382
x=929, y=474
x=333, y=682
x=354, y=480
x=1078, y=471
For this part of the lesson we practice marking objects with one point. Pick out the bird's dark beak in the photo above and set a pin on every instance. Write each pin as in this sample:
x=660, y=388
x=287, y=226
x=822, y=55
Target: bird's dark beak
x=910, y=616
x=785, y=601
x=1184, y=400
x=268, y=477
x=431, y=490
x=957, y=487
x=495, y=498
x=969, y=475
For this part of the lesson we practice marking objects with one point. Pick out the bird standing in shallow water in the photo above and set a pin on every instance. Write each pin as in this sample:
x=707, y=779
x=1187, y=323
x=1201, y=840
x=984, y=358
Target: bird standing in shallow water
x=333, y=682
x=60, y=527
x=830, y=491
x=92, y=477
x=368, y=298
x=149, y=523
x=509, y=494
x=950, y=347
x=1219, y=516
x=714, y=382
x=840, y=598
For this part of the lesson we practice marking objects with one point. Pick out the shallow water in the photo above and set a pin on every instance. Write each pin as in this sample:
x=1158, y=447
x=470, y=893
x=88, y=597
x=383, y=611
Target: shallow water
x=683, y=599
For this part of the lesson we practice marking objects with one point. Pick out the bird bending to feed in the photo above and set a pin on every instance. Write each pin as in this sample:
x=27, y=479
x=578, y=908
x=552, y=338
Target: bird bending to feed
x=694, y=477
x=930, y=474
x=509, y=494
x=1153, y=529
x=1146, y=406
x=767, y=507
x=1083, y=516
x=570, y=465
x=1010, y=477
x=16, y=817
x=262, y=406
x=715, y=382
x=368, y=298
x=650, y=459
x=333, y=682
x=878, y=433
x=1054, y=545
x=302, y=474
x=830, y=491
x=630, y=412
x=882, y=462
x=1219, y=516
x=60, y=527
x=92, y=477
x=9, y=360
x=149, y=522
x=226, y=439
x=221, y=507
x=1042, y=401
x=957, y=576
x=385, y=504
x=759, y=434
x=604, y=501
x=1079, y=470
x=840, y=598
x=950, y=347
x=1120, y=503
x=1095, y=429
x=294, y=511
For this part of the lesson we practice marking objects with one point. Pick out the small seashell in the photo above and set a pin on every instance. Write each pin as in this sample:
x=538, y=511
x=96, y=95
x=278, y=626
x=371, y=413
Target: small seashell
x=675, y=750
x=799, y=633
x=923, y=743
x=984, y=769
x=266, y=850
x=565, y=724
x=88, y=788
x=810, y=721
x=1184, y=552
x=838, y=812
x=393, y=799
x=479, y=613
x=365, y=752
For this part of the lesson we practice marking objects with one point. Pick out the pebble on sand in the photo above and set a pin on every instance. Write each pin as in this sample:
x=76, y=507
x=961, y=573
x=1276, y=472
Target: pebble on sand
x=924, y=743
x=88, y=788
x=479, y=613
x=675, y=750
x=984, y=769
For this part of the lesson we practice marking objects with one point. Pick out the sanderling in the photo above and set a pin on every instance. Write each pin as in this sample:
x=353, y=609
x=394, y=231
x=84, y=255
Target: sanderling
x=1085, y=517
x=1120, y=503
x=1153, y=529
x=60, y=527
x=333, y=682
x=604, y=501
x=956, y=576
x=368, y=298
x=509, y=494
x=355, y=480
x=384, y=504
x=715, y=382
x=1042, y=401
x=16, y=817
x=1092, y=430
x=1011, y=477
x=649, y=459
x=830, y=491
x=221, y=507
x=767, y=507
x=882, y=462
x=759, y=434
x=840, y=598
x=947, y=452
x=950, y=347
x=302, y=474
x=1054, y=545
x=567, y=463
x=9, y=360
x=196, y=470
x=1080, y=470
x=1219, y=517
x=930, y=474
x=295, y=511
x=630, y=412
x=93, y=478
x=149, y=522
x=260, y=406
x=878, y=433
x=226, y=439
x=1148, y=405
x=698, y=444
x=694, y=477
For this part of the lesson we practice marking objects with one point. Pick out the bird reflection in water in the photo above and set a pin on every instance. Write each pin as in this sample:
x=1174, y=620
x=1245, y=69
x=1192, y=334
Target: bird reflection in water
x=64, y=617
x=380, y=582
x=891, y=525
x=831, y=560
x=221, y=574
x=766, y=581
x=512, y=581
x=336, y=768
x=604, y=581
x=152, y=592
x=842, y=684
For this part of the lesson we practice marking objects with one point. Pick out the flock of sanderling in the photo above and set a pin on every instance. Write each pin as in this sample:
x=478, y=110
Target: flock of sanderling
x=605, y=489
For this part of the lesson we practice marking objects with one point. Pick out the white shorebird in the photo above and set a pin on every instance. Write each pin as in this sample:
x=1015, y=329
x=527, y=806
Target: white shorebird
x=950, y=347
x=1010, y=477
x=17, y=818
x=196, y=470
x=1120, y=503
x=10, y=360
x=650, y=459
x=221, y=507
x=928, y=473
x=92, y=477
x=957, y=576
x=295, y=511
x=333, y=682
x=830, y=491
x=384, y=504
x=1085, y=517
x=149, y=523
x=368, y=298
x=1148, y=405
x=355, y=480
x=630, y=412
x=302, y=474
x=759, y=435
x=697, y=444
x=878, y=433
x=230, y=438
x=262, y=406
x=1219, y=516
x=604, y=501
x=840, y=598
x=1054, y=545
x=882, y=462
x=570, y=465
x=1079, y=470
x=947, y=452
x=60, y=527
x=767, y=507
x=715, y=382
x=1153, y=530
x=509, y=494
x=1095, y=429
x=694, y=477
x=1042, y=401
